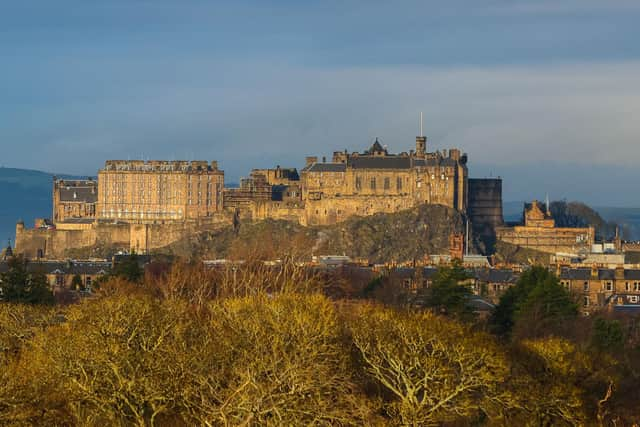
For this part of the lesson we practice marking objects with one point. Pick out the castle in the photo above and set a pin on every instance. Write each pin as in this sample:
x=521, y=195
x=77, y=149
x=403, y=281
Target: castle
x=353, y=184
x=146, y=205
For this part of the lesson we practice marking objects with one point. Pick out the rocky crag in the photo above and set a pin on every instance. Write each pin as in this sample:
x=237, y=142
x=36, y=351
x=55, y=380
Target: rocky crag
x=402, y=237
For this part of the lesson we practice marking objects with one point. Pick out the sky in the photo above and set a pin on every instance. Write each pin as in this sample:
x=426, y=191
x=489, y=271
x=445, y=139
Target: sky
x=543, y=93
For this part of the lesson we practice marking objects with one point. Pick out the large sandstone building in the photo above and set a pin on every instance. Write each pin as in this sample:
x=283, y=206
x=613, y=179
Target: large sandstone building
x=74, y=199
x=145, y=205
x=159, y=191
x=539, y=232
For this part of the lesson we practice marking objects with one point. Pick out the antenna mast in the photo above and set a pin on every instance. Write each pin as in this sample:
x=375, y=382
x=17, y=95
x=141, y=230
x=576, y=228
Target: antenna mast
x=547, y=200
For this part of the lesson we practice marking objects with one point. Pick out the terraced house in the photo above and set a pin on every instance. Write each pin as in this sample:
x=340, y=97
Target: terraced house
x=616, y=289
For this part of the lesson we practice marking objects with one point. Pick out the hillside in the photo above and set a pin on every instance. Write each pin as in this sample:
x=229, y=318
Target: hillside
x=402, y=236
x=578, y=214
x=24, y=194
x=627, y=218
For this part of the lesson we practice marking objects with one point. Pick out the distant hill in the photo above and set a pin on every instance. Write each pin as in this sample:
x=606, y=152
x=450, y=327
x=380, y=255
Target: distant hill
x=24, y=194
x=512, y=211
x=603, y=216
x=627, y=218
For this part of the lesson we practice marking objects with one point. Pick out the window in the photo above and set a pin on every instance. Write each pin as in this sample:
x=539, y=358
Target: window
x=609, y=286
x=358, y=183
x=627, y=286
x=585, y=286
x=387, y=183
x=399, y=183
x=372, y=183
x=633, y=299
x=585, y=301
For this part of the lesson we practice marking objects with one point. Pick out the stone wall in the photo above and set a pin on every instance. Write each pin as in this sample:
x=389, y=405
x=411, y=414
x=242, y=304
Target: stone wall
x=328, y=211
x=548, y=240
x=51, y=243
x=104, y=237
x=278, y=210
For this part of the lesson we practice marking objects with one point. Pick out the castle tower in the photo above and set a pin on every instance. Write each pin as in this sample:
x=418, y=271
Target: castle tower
x=421, y=146
x=421, y=142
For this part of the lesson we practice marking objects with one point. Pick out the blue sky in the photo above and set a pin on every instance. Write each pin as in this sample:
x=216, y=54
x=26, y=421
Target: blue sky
x=543, y=93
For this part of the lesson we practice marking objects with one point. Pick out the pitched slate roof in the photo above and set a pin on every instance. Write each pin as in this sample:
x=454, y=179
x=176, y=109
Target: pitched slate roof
x=632, y=274
x=327, y=167
x=376, y=148
x=576, y=273
x=492, y=275
x=78, y=194
x=386, y=162
x=606, y=274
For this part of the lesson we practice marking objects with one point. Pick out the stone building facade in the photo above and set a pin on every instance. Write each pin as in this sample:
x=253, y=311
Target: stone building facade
x=158, y=191
x=598, y=287
x=74, y=200
x=354, y=184
x=60, y=275
x=376, y=181
x=540, y=233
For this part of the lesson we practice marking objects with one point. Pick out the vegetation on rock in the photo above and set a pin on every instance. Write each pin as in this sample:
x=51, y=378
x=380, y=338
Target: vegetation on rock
x=403, y=237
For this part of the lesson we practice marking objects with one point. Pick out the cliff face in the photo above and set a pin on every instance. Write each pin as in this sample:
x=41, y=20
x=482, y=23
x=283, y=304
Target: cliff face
x=402, y=236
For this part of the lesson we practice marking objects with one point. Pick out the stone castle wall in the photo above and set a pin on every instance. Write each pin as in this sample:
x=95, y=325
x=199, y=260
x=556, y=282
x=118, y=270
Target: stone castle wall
x=328, y=211
x=57, y=243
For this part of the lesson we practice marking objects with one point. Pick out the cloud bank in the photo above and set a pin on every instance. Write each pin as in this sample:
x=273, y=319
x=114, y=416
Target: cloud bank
x=529, y=89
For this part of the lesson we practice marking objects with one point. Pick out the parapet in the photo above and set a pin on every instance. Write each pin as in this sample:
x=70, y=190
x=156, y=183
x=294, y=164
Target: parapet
x=160, y=165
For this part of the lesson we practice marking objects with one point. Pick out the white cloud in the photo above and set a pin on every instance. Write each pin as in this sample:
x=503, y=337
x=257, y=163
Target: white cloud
x=260, y=114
